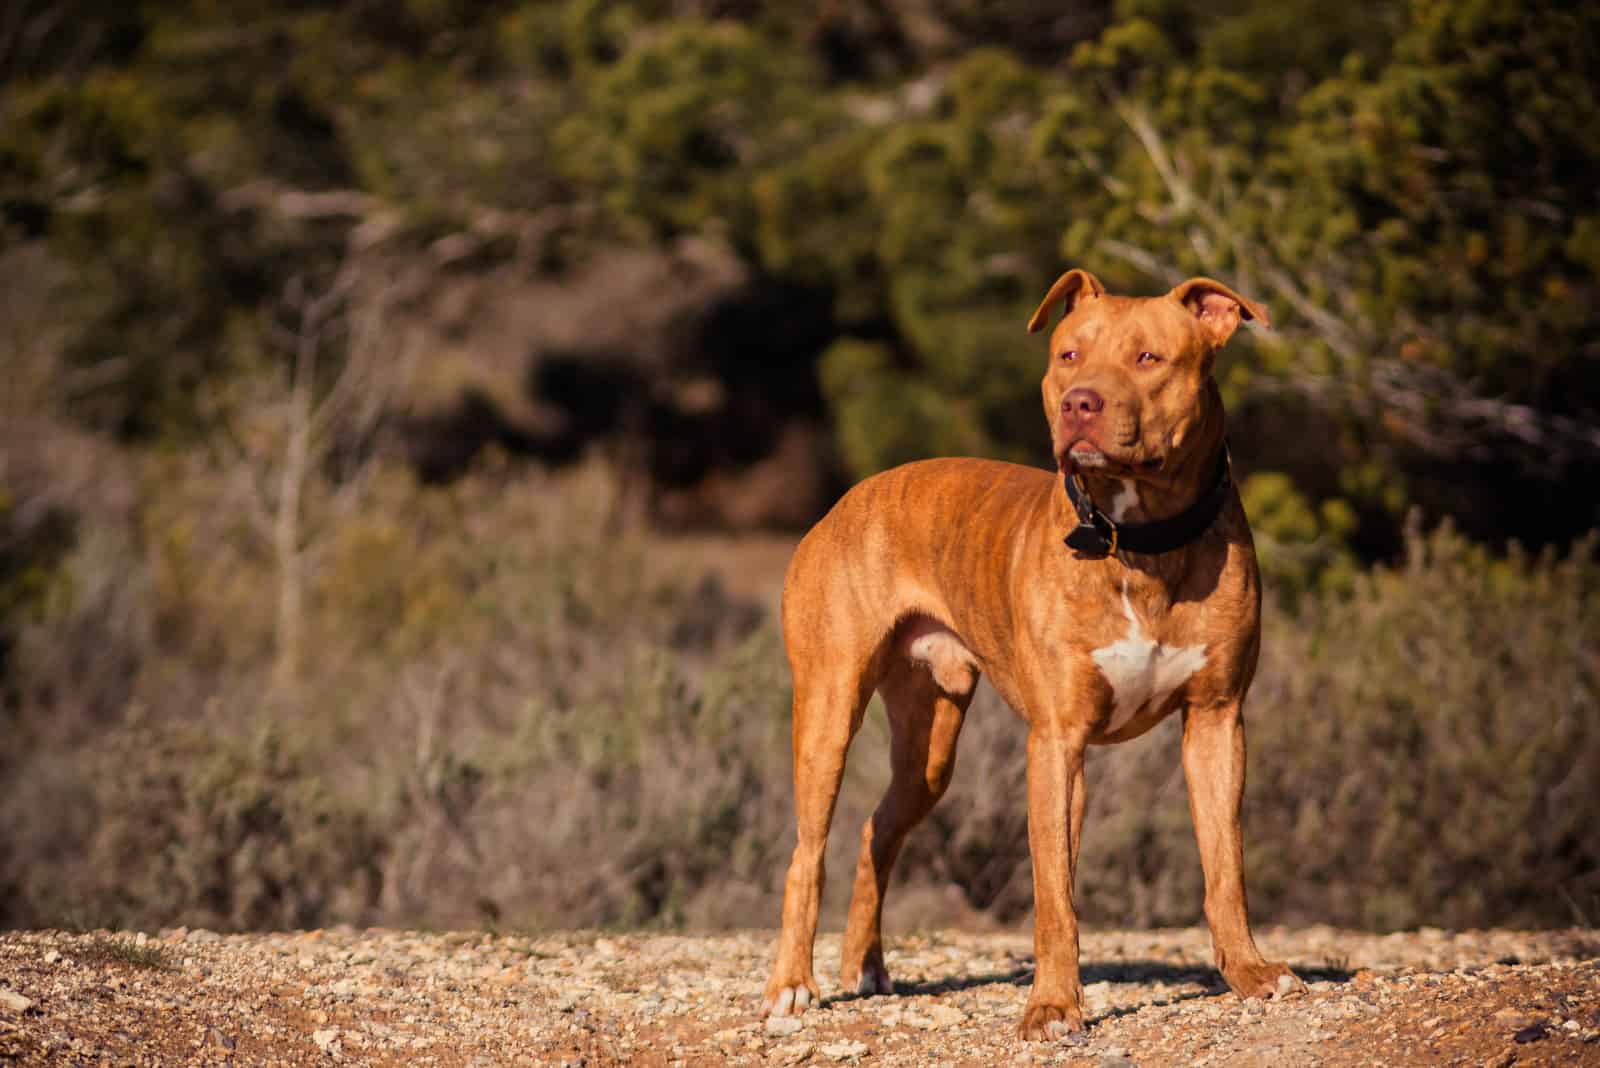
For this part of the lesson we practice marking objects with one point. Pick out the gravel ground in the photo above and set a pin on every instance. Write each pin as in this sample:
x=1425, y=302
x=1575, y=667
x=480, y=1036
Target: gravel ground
x=402, y=998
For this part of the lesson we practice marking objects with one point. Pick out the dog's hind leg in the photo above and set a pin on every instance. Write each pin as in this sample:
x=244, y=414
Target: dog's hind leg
x=925, y=723
x=828, y=706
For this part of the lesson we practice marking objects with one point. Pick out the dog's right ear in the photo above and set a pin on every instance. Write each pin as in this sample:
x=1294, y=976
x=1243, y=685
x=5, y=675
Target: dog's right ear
x=1071, y=288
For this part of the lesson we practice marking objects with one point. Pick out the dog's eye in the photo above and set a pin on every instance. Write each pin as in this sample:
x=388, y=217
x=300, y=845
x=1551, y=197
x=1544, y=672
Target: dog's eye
x=1148, y=359
x=1070, y=355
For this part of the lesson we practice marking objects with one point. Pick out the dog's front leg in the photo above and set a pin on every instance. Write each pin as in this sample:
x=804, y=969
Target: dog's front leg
x=1213, y=766
x=1055, y=771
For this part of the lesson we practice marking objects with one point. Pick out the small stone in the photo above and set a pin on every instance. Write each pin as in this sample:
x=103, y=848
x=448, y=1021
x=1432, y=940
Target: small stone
x=326, y=1039
x=1571, y=1025
x=946, y=1016
x=1504, y=1059
x=15, y=1002
x=784, y=1025
x=1116, y=1062
x=844, y=1051
x=219, y=1040
x=1513, y=1019
x=51, y=956
x=796, y=1053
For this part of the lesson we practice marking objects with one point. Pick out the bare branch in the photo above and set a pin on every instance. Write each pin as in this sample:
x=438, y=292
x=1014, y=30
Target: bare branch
x=1444, y=415
x=246, y=485
x=297, y=203
x=1140, y=258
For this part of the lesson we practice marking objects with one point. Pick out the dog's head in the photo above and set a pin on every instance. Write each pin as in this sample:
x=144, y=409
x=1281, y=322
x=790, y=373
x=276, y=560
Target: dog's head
x=1129, y=391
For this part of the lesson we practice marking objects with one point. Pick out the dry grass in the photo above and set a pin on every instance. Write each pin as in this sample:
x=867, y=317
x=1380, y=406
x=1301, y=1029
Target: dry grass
x=517, y=717
x=122, y=950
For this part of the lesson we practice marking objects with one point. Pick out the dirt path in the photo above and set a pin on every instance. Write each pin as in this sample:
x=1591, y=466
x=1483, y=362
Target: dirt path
x=398, y=998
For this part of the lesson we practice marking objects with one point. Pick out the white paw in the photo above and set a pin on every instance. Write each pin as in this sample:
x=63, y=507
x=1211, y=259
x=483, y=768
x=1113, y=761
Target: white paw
x=874, y=980
x=791, y=1001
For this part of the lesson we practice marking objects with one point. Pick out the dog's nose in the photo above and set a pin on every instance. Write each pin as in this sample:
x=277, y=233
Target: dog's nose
x=1082, y=403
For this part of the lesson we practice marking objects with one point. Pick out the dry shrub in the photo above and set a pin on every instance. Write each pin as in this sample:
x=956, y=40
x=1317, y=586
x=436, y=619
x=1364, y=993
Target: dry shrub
x=516, y=715
x=210, y=825
x=1428, y=750
x=509, y=716
x=645, y=798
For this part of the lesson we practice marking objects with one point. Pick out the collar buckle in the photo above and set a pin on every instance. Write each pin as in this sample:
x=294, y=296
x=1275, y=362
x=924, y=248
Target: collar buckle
x=1095, y=536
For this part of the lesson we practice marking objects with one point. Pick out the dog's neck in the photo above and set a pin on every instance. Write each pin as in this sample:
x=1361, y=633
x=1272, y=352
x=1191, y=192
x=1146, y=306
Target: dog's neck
x=1147, y=499
x=1105, y=514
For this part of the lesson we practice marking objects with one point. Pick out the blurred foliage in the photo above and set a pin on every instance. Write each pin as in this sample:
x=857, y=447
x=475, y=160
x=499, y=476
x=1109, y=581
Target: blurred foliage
x=1406, y=185
x=1300, y=546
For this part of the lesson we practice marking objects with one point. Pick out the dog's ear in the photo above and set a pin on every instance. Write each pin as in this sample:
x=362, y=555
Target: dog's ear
x=1070, y=287
x=1218, y=308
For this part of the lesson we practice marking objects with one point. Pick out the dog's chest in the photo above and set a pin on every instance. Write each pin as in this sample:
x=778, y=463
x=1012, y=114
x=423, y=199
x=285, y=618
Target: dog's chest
x=1141, y=671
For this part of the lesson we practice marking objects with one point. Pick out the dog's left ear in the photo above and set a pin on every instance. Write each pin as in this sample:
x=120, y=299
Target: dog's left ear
x=1218, y=308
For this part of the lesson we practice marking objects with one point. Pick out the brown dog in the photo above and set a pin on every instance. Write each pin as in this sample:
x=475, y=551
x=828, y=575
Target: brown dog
x=924, y=576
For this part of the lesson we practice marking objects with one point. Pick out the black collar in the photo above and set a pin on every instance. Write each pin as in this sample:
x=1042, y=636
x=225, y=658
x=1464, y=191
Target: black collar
x=1097, y=537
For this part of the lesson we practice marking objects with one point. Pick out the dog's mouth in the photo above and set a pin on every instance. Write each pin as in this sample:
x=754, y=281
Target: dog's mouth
x=1085, y=455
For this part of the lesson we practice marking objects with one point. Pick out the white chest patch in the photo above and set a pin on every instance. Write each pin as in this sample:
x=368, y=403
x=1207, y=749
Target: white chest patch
x=1124, y=500
x=1143, y=672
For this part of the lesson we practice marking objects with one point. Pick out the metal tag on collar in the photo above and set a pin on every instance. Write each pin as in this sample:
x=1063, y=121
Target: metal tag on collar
x=1095, y=537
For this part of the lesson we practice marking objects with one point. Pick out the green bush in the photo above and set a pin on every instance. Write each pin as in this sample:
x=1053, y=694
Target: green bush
x=1300, y=546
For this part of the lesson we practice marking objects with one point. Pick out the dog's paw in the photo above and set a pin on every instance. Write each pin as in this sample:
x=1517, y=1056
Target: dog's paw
x=864, y=971
x=874, y=980
x=1047, y=1022
x=1269, y=979
x=790, y=1000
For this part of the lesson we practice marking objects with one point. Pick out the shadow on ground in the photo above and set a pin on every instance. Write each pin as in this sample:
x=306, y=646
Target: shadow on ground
x=1124, y=971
